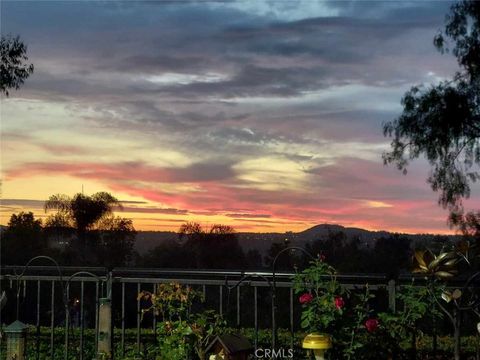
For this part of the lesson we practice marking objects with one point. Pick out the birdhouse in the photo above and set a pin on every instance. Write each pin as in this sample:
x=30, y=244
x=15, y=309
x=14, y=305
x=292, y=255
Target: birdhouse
x=16, y=334
x=229, y=347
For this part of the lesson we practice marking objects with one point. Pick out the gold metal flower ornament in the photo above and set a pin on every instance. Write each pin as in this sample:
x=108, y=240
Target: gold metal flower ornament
x=442, y=266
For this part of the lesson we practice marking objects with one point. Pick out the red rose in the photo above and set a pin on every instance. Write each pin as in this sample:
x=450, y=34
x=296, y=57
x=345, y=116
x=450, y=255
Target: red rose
x=305, y=298
x=321, y=257
x=371, y=325
x=339, y=302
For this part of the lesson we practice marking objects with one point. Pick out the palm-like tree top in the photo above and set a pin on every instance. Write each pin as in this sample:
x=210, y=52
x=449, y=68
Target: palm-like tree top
x=83, y=211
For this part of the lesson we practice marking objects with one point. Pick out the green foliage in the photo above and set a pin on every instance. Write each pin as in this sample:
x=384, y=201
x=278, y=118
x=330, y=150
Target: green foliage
x=442, y=122
x=400, y=328
x=347, y=336
x=415, y=305
x=463, y=29
x=181, y=332
x=174, y=343
x=205, y=326
x=14, y=69
x=318, y=288
x=149, y=349
x=469, y=224
x=347, y=318
x=170, y=301
x=328, y=308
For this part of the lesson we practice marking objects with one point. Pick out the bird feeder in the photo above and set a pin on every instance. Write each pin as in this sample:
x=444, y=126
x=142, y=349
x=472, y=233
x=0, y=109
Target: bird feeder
x=104, y=345
x=319, y=343
x=229, y=347
x=16, y=334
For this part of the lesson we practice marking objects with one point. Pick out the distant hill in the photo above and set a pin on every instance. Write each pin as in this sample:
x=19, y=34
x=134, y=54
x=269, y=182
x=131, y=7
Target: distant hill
x=323, y=230
x=147, y=240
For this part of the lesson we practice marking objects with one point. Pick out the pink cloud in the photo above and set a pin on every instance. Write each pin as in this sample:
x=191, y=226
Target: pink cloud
x=350, y=192
x=248, y=215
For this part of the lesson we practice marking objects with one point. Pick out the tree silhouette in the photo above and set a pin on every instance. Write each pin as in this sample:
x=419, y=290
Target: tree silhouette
x=215, y=248
x=23, y=238
x=286, y=261
x=115, y=237
x=340, y=251
x=442, y=122
x=13, y=67
x=168, y=255
x=391, y=255
x=82, y=212
x=254, y=259
x=469, y=224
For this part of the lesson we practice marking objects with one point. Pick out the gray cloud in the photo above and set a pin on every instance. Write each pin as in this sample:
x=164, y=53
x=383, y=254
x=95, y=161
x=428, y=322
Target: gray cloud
x=155, y=210
x=256, y=52
x=31, y=203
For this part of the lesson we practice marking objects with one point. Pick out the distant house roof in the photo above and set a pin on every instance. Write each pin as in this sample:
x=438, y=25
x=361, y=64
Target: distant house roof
x=232, y=343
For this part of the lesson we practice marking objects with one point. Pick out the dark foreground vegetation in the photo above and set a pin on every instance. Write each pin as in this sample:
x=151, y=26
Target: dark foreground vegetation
x=149, y=347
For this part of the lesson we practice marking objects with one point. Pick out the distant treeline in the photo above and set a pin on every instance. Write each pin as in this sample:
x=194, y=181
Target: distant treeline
x=217, y=247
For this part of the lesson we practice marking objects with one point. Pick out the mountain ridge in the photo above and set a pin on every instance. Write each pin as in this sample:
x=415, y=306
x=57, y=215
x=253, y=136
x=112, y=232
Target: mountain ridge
x=147, y=240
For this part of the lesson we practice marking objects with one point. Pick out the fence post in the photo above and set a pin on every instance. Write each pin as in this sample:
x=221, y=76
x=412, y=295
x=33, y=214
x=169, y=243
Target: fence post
x=105, y=328
x=392, y=288
x=16, y=340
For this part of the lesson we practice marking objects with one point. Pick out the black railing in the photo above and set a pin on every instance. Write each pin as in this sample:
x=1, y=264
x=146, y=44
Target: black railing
x=244, y=297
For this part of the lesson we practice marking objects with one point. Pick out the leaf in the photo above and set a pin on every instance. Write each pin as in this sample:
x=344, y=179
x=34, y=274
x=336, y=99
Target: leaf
x=450, y=263
x=444, y=274
x=447, y=296
x=442, y=257
x=420, y=261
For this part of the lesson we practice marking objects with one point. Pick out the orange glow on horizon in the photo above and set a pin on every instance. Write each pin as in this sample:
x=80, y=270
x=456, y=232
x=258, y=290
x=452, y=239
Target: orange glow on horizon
x=270, y=225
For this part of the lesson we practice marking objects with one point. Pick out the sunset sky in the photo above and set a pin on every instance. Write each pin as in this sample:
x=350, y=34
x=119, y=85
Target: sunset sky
x=266, y=116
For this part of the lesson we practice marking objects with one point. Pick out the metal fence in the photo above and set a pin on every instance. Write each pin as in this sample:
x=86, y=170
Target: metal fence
x=68, y=298
x=66, y=301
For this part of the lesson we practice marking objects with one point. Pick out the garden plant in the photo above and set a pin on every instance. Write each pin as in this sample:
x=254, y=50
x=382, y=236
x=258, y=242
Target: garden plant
x=359, y=330
x=181, y=331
